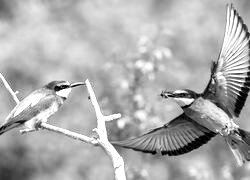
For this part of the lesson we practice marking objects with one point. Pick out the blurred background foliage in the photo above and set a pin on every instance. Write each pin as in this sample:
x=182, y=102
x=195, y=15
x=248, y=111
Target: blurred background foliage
x=130, y=51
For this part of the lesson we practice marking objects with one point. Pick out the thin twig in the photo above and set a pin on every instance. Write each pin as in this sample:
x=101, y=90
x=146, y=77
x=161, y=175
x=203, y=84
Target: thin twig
x=68, y=133
x=65, y=132
x=112, y=117
x=7, y=86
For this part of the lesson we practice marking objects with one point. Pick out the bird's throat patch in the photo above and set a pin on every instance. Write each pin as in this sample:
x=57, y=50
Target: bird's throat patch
x=183, y=102
x=64, y=92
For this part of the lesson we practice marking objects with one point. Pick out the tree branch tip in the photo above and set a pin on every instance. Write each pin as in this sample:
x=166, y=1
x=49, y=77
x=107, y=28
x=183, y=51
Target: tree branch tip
x=97, y=131
x=95, y=142
x=86, y=81
x=113, y=117
x=24, y=131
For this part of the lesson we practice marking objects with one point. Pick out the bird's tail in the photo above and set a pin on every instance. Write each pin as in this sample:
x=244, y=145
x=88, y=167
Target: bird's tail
x=239, y=143
x=7, y=127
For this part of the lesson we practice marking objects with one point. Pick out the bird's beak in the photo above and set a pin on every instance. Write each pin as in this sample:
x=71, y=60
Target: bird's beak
x=76, y=84
x=166, y=94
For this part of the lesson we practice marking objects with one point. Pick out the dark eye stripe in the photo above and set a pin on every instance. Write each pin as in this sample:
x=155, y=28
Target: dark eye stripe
x=64, y=86
x=59, y=87
x=181, y=95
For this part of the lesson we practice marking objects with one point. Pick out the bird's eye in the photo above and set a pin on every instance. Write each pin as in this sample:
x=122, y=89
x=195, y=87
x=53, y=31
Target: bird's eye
x=57, y=88
x=60, y=87
x=64, y=86
x=182, y=95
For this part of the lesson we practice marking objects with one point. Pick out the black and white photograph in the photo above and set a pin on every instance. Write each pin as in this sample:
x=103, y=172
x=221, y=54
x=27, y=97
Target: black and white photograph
x=124, y=90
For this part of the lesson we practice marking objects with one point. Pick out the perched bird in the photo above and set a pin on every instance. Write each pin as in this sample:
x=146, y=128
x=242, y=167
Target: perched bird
x=38, y=106
x=212, y=112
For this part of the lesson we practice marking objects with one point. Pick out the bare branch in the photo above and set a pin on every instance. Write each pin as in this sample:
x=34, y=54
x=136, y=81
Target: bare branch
x=102, y=141
x=7, y=86
x=117, y=160
x=68, y=133
x=112, y=117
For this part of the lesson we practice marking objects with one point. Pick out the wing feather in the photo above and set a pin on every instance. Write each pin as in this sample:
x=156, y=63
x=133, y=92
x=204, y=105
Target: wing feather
x=32, y=109
x=230, y=78
x=179, y=136
x=30, y=100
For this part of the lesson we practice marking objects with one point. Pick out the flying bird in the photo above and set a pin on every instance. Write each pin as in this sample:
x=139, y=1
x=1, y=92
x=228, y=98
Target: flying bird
x=213, y=111
x=38, y=106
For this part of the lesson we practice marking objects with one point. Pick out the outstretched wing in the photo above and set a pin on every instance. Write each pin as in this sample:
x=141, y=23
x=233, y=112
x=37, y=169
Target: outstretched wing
x=179, y=136
x=230, y=77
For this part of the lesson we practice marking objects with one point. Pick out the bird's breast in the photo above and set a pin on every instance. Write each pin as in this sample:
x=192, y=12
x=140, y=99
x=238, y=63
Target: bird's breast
x=208, y=115
x=42, y=116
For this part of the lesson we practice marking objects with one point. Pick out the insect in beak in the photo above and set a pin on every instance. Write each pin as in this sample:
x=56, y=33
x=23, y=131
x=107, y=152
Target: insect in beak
x=165, y=94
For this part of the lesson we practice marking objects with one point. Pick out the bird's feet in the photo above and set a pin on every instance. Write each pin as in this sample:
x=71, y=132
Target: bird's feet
x=31, y=126
x=37, y=125
x=229, y=128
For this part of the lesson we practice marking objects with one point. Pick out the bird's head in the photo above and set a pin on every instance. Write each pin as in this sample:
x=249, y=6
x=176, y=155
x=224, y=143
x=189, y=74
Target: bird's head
x=183, y=98
x=62, y=88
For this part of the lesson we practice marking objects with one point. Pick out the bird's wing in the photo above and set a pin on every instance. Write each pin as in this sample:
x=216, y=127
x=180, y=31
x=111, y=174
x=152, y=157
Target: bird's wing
x=30, y=107
x=230, y=77
x=179, y=136
x=30, y=100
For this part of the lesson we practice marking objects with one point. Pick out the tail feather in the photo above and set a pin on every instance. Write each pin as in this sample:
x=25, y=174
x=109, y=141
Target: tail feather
x=6, y=127
x=245, y=135
x=239, y=144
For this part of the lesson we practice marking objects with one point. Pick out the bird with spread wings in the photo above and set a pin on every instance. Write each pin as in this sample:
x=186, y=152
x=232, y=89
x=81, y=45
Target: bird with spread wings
x=212, y=112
